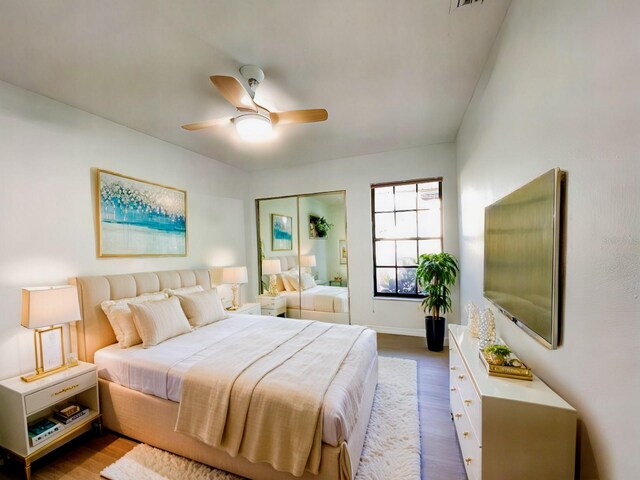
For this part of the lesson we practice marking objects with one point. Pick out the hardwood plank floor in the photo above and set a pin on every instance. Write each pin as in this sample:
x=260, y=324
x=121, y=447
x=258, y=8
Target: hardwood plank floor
x=86, y=456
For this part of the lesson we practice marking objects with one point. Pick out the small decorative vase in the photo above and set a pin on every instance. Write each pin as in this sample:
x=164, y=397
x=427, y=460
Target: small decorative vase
x=494, y=359
x=473, y=320
x=487, y=329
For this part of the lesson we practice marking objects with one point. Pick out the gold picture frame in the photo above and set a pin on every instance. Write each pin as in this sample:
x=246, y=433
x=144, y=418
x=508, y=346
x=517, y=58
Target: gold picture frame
x=137, y=218
x=281, y=232
x=51, y=348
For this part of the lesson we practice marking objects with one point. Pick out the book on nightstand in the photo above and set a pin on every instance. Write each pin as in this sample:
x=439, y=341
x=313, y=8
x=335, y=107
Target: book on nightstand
x=42, y=429
x=71, y=413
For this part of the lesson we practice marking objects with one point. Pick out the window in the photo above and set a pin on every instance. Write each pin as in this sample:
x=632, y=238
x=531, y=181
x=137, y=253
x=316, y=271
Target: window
x=407, y=222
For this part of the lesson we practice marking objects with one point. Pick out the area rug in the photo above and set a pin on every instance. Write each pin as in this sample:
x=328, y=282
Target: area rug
x=391, y=447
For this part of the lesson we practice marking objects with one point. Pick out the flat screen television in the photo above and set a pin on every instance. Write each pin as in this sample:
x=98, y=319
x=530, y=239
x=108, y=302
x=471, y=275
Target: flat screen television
x=522, y=234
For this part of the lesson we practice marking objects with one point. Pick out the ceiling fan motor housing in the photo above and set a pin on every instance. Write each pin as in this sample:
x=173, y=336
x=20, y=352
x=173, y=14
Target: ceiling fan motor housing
x=254, y=76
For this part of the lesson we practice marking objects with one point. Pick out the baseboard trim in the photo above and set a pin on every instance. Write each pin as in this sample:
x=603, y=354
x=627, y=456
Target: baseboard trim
x=411, y=332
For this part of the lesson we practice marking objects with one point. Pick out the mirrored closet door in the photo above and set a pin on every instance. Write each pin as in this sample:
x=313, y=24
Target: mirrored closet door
x=302, y=252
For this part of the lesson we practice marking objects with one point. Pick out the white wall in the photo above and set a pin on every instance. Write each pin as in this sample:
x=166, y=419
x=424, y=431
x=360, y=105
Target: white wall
x=355, y=175
x=560, y=89
x=47, y=153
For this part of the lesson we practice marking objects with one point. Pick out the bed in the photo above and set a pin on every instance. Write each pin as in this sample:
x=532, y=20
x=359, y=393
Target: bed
x=141, y=404
x=325, y=303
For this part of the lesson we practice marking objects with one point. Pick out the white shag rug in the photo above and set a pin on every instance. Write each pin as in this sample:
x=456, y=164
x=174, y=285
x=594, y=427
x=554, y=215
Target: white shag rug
x=391, y=447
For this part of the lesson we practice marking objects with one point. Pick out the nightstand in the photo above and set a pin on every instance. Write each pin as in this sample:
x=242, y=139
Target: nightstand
x=24, y=403
x=335, y=283
x=247, y=309
x=273, y=306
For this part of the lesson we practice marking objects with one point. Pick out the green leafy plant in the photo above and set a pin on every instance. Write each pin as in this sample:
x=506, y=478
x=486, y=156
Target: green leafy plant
x=435, y=274
x=501, y=351
x=322, y=226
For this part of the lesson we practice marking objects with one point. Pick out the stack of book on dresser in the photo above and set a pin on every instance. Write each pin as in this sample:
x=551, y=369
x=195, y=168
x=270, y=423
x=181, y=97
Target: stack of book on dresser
x=71, y=413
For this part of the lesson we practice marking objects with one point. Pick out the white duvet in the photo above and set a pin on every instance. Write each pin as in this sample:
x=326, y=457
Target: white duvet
x=320, y=299
x=160, y=370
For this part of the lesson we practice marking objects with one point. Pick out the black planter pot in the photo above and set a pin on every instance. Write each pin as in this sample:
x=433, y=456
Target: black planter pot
x=435, y=332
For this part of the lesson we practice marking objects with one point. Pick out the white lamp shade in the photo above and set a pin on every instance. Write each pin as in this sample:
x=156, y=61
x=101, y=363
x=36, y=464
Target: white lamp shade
x=46, y=306
x=253, y=127
x=271, y=267
x=234, y=275
x=307, y=260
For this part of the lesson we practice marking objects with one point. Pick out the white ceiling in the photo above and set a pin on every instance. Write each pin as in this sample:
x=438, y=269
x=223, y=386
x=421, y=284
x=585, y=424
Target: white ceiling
x=392, y=74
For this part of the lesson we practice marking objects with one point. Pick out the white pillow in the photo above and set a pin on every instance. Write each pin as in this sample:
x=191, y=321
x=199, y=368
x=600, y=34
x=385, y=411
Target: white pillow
x=121, y=319
x=159, y=321
x=202, y=308
x=307, y=281
x=292, y=280
x=287, y=284
x=280, y=286
x=183, y=290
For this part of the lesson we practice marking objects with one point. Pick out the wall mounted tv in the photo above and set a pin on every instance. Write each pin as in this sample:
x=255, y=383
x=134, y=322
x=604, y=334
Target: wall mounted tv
x=522, y=234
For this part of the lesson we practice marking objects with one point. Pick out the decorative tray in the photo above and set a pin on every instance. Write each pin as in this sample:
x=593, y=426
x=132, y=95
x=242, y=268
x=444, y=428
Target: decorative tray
x=521, y=372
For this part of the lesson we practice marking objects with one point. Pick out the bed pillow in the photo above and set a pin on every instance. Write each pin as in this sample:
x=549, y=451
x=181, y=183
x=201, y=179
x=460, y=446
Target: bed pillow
x=183, y=290
x=292, y=280
x=307, y=281
x=121, y=319
x=159, y=321
x=287, y=284
x=202, y=308
x=280, y=283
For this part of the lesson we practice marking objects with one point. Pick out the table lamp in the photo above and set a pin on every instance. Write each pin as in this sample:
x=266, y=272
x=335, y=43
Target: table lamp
x=272, y=267
x=308, y=261
x=44, y=309
x=234, y=276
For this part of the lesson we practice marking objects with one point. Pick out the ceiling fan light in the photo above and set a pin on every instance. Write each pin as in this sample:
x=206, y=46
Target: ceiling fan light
x=253, y=127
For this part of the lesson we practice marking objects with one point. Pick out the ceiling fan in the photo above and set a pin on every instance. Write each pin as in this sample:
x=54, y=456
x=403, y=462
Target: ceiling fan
x=253, y=122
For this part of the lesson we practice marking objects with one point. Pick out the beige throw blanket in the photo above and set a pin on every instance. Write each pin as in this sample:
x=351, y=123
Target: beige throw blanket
x=259, y=393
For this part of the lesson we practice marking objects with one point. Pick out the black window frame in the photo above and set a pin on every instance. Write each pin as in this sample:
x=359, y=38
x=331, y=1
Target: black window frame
x=417, y=238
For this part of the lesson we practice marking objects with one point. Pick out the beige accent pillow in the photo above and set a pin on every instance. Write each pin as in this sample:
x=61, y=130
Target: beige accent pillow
x=290, y=281
x=183, y=290
x=280, y=283
x=121, y=319
x=202, y=308
x=159, y=321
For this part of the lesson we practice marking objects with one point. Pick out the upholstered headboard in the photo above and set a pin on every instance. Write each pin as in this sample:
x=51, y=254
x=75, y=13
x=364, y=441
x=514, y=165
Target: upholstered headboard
x=94, y=331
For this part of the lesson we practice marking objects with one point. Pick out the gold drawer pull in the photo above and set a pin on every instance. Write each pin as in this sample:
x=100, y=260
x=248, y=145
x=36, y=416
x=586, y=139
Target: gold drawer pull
x=460, y=377
x=467, y=461
x=453, y=368
x=465, y=434
x=467, y=402
x=458, y=415
x=453, y=389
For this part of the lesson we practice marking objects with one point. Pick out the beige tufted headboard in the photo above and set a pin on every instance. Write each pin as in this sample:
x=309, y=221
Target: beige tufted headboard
x=94, y=331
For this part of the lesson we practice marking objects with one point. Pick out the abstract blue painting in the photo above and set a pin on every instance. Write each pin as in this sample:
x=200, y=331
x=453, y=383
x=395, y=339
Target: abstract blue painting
x=281, y=228
x=138, y=218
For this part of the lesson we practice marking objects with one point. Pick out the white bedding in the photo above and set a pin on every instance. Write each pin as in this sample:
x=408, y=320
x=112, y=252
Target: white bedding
x=160, y=370
x=320, y=298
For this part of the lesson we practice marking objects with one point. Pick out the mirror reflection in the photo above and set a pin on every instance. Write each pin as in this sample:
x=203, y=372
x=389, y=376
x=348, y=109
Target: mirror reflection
x=303, y=257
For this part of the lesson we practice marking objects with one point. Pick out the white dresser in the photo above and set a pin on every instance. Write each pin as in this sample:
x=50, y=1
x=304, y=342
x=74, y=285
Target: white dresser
x=507, y=428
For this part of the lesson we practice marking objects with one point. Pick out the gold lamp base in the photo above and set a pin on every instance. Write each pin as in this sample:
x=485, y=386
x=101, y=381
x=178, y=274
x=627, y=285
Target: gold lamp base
x=41, y=374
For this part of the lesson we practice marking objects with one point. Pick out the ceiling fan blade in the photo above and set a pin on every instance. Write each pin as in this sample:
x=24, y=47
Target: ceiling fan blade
x=299, y=116
x=207, y=124
x=231, y=89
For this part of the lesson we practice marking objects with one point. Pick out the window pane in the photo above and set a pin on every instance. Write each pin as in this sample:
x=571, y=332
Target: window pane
x=427, y=194
x=407, y=252
x=383, y=199
x=406, y=197
x=429, y=223
x=386, y=253
x=406, y=224
x=386, y=280
x=407, y=281
x=429, y=246
x=385, y=225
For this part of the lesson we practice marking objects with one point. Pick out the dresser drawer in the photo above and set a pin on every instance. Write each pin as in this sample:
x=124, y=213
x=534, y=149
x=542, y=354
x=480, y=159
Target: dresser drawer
x=469, y=444
x=272, y=302
x=58, y=392
x=461, y=383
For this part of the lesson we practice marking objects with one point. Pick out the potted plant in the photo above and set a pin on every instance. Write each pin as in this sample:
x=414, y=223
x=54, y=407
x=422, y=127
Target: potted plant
x=497, y=354
x=435, y=274
x=322, y=227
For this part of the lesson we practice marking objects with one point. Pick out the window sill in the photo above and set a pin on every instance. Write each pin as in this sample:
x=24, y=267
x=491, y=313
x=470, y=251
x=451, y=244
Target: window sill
x=397, y=299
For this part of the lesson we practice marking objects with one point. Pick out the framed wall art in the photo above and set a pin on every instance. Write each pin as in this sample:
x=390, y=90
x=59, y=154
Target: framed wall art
x=137, y=218
x=343, y=251
x=281, y=232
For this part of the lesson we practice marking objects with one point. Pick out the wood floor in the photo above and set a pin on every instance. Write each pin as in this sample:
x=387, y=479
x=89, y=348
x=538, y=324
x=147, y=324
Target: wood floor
x=85, y=457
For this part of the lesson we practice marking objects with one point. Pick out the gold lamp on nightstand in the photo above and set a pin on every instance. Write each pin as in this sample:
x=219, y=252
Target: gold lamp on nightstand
x=272, y=267
x=234, y=276
x=45, y=309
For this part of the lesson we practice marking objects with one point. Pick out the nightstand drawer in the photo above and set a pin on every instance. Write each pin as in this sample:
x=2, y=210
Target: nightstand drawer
x=58, y=392
x=272, y=302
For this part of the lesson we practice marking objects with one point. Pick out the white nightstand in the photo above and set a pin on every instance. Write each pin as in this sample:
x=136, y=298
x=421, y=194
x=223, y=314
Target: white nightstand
x=273, y=306
x=23, y=403
x=247, y=309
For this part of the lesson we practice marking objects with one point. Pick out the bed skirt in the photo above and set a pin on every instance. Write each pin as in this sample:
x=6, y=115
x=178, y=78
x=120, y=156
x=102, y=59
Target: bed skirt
x=152, y=420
